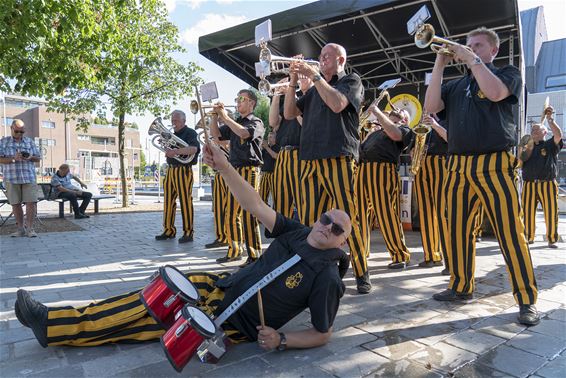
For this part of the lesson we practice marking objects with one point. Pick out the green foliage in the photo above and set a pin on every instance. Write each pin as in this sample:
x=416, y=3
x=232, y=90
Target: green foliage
x=262, y=110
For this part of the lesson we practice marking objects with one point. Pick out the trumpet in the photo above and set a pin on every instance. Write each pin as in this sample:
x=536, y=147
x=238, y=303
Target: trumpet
x=267, y=89
x=194, y=107
x=164, y=140
x=425, y=37
x=280, y=64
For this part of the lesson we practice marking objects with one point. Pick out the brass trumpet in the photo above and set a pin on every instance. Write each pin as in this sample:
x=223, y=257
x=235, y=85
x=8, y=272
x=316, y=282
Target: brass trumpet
x=194, y=107
x=425, y=37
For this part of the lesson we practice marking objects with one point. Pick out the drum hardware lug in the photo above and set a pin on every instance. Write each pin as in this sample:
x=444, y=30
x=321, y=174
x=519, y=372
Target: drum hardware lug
x=170, y=300
x=179, y=331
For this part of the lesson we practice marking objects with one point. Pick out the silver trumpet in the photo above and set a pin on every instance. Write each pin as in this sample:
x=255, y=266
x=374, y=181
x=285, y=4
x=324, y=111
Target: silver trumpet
x=267, y=89
x=280, y=64
x=165, y=140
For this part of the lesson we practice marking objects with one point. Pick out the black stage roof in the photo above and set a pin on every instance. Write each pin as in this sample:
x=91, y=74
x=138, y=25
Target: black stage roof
x=374, y=33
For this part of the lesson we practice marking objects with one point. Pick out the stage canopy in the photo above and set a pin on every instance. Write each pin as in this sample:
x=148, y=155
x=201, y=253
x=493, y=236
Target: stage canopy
x=374, y=34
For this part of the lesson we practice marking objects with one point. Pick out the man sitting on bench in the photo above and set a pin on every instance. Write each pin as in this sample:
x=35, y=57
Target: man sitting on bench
x=62, y=188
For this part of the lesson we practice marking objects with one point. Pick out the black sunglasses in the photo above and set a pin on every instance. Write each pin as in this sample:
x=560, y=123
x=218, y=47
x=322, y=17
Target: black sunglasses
x=19, y=132
x=336, y=229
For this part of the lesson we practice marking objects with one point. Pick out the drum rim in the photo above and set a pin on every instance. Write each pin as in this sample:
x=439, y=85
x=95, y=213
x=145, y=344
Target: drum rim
x=173, y=287
x=205, y=333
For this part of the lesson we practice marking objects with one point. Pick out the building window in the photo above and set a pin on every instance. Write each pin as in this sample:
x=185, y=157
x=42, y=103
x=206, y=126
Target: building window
x=49, y=142
x=556, y=81
x=83, y=137
x=103, y=140
x=48, y=124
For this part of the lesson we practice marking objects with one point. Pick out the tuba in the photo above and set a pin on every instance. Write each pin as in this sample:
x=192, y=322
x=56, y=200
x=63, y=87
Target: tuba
x=421, y=130
x=165, y=140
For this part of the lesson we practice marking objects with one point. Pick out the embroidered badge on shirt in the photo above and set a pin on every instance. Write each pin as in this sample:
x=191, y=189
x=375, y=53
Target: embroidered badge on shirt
x=294, y=280
x=543, y=152
x=480, y=94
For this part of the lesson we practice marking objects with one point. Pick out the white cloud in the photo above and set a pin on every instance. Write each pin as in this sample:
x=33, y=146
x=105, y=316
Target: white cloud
x=194, y=4
x=210, y=23
x=224, y=2
x=170, y=5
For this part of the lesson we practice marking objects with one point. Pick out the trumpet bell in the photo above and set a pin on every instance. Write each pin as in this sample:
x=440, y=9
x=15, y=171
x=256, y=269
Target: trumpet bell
x=424, y=36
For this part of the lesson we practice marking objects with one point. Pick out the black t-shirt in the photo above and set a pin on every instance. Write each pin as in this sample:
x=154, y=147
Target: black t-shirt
x=245, y=152
x=436, y=146
x=268, y=160
x=378, y=147
x=314, y=282
x=542, y=165
x=289, y=131
x=326, y=134
x=191, y=137
x=478, y=125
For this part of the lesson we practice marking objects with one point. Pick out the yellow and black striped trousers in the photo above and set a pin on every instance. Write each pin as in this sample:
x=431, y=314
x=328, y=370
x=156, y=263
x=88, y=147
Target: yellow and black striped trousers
x=219, y=190
x=545, y=192
x=286, y=182
x=479, y=222
x=239, y=223
x=330, y=182
x=266, y=186
x=429, y=190
x=178, y=183
x=489, y=180
x=124, y=318
x=378, y=187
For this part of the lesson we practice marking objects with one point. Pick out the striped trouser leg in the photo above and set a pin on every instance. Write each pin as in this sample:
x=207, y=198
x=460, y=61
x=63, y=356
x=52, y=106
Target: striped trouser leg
x=218, y=207
x=492, y=180
x=286, y=181
x=442, y=216
x=336, y=176
x=427, y=186
x=169, y=202
x=529, y=201
x=314, y=200
x=183, y=182
x=265, y=185
x=124, y=318
x=383, y=189
x=478, y=223
x=363, y=204
x=250, y=225
x=233, y=224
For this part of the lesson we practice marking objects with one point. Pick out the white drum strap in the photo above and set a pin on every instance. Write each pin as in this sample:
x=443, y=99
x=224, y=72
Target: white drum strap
x=252, y=290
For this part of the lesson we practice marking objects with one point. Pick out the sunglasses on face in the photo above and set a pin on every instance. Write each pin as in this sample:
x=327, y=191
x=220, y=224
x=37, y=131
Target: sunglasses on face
x=241, y=99
x=19, y=131
x=336, y=229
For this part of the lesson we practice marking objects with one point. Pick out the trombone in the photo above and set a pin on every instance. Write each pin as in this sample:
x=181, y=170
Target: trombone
x=365, y=114
x=425, y=37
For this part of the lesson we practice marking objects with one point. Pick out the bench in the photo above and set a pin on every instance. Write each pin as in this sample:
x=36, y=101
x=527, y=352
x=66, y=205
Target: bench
x=46, y=189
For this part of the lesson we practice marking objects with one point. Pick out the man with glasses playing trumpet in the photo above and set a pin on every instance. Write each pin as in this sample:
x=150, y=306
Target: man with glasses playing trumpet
x=329, y=144
x=179, y=181
x=480, y=166
x=245, y=135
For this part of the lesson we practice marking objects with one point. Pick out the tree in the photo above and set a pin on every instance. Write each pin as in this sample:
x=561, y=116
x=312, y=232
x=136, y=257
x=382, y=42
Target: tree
x=48, y=46
x=262, y=110
x=136, y=72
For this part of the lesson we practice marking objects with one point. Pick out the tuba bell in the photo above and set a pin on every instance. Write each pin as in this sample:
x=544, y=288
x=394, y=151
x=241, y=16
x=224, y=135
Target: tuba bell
x=165, y=140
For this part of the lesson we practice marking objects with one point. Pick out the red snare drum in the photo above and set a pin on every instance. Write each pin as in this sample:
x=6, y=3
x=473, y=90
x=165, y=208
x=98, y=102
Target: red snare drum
x=182, y=340
x=167, y=293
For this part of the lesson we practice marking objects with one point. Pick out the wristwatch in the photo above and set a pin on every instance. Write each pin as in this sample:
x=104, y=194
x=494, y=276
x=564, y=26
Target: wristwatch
x=476, y=61
x=316, y=78
x=282, y=342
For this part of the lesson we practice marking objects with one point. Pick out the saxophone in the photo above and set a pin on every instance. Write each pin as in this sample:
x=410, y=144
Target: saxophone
x=421, y=130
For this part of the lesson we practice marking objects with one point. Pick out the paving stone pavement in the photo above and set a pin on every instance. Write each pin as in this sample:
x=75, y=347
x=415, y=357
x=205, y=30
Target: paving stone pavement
x=397, y=330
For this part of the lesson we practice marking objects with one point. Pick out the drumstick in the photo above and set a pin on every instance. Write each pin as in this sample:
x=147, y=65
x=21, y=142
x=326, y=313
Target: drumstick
x=260, y=307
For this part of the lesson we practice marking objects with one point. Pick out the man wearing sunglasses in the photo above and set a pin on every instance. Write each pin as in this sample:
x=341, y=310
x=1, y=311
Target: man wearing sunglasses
x=245, y=135
x=17, y=156
x=314, y=282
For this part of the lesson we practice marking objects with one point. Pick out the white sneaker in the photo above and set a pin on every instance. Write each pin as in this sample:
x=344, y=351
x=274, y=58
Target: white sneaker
x=18, y=233
x=31, y=233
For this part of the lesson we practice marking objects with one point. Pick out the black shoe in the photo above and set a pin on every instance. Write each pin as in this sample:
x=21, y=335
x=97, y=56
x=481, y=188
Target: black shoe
x=34, y=314
x=248, y=261
x=215, y=244
x=528, y=315
x=552, y=245
x=164, y=236
x=531, y=242
x=445, y=272
x=363, y=283
x=429, y=264
x=81, y=216
x=226, y=259
x=185, y=239
x=19, y=315
x=451, y=295
x=84, y=215
x=398, y=265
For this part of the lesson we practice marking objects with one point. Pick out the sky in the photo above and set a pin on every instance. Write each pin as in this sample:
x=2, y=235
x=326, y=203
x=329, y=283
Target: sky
x=195, y=18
